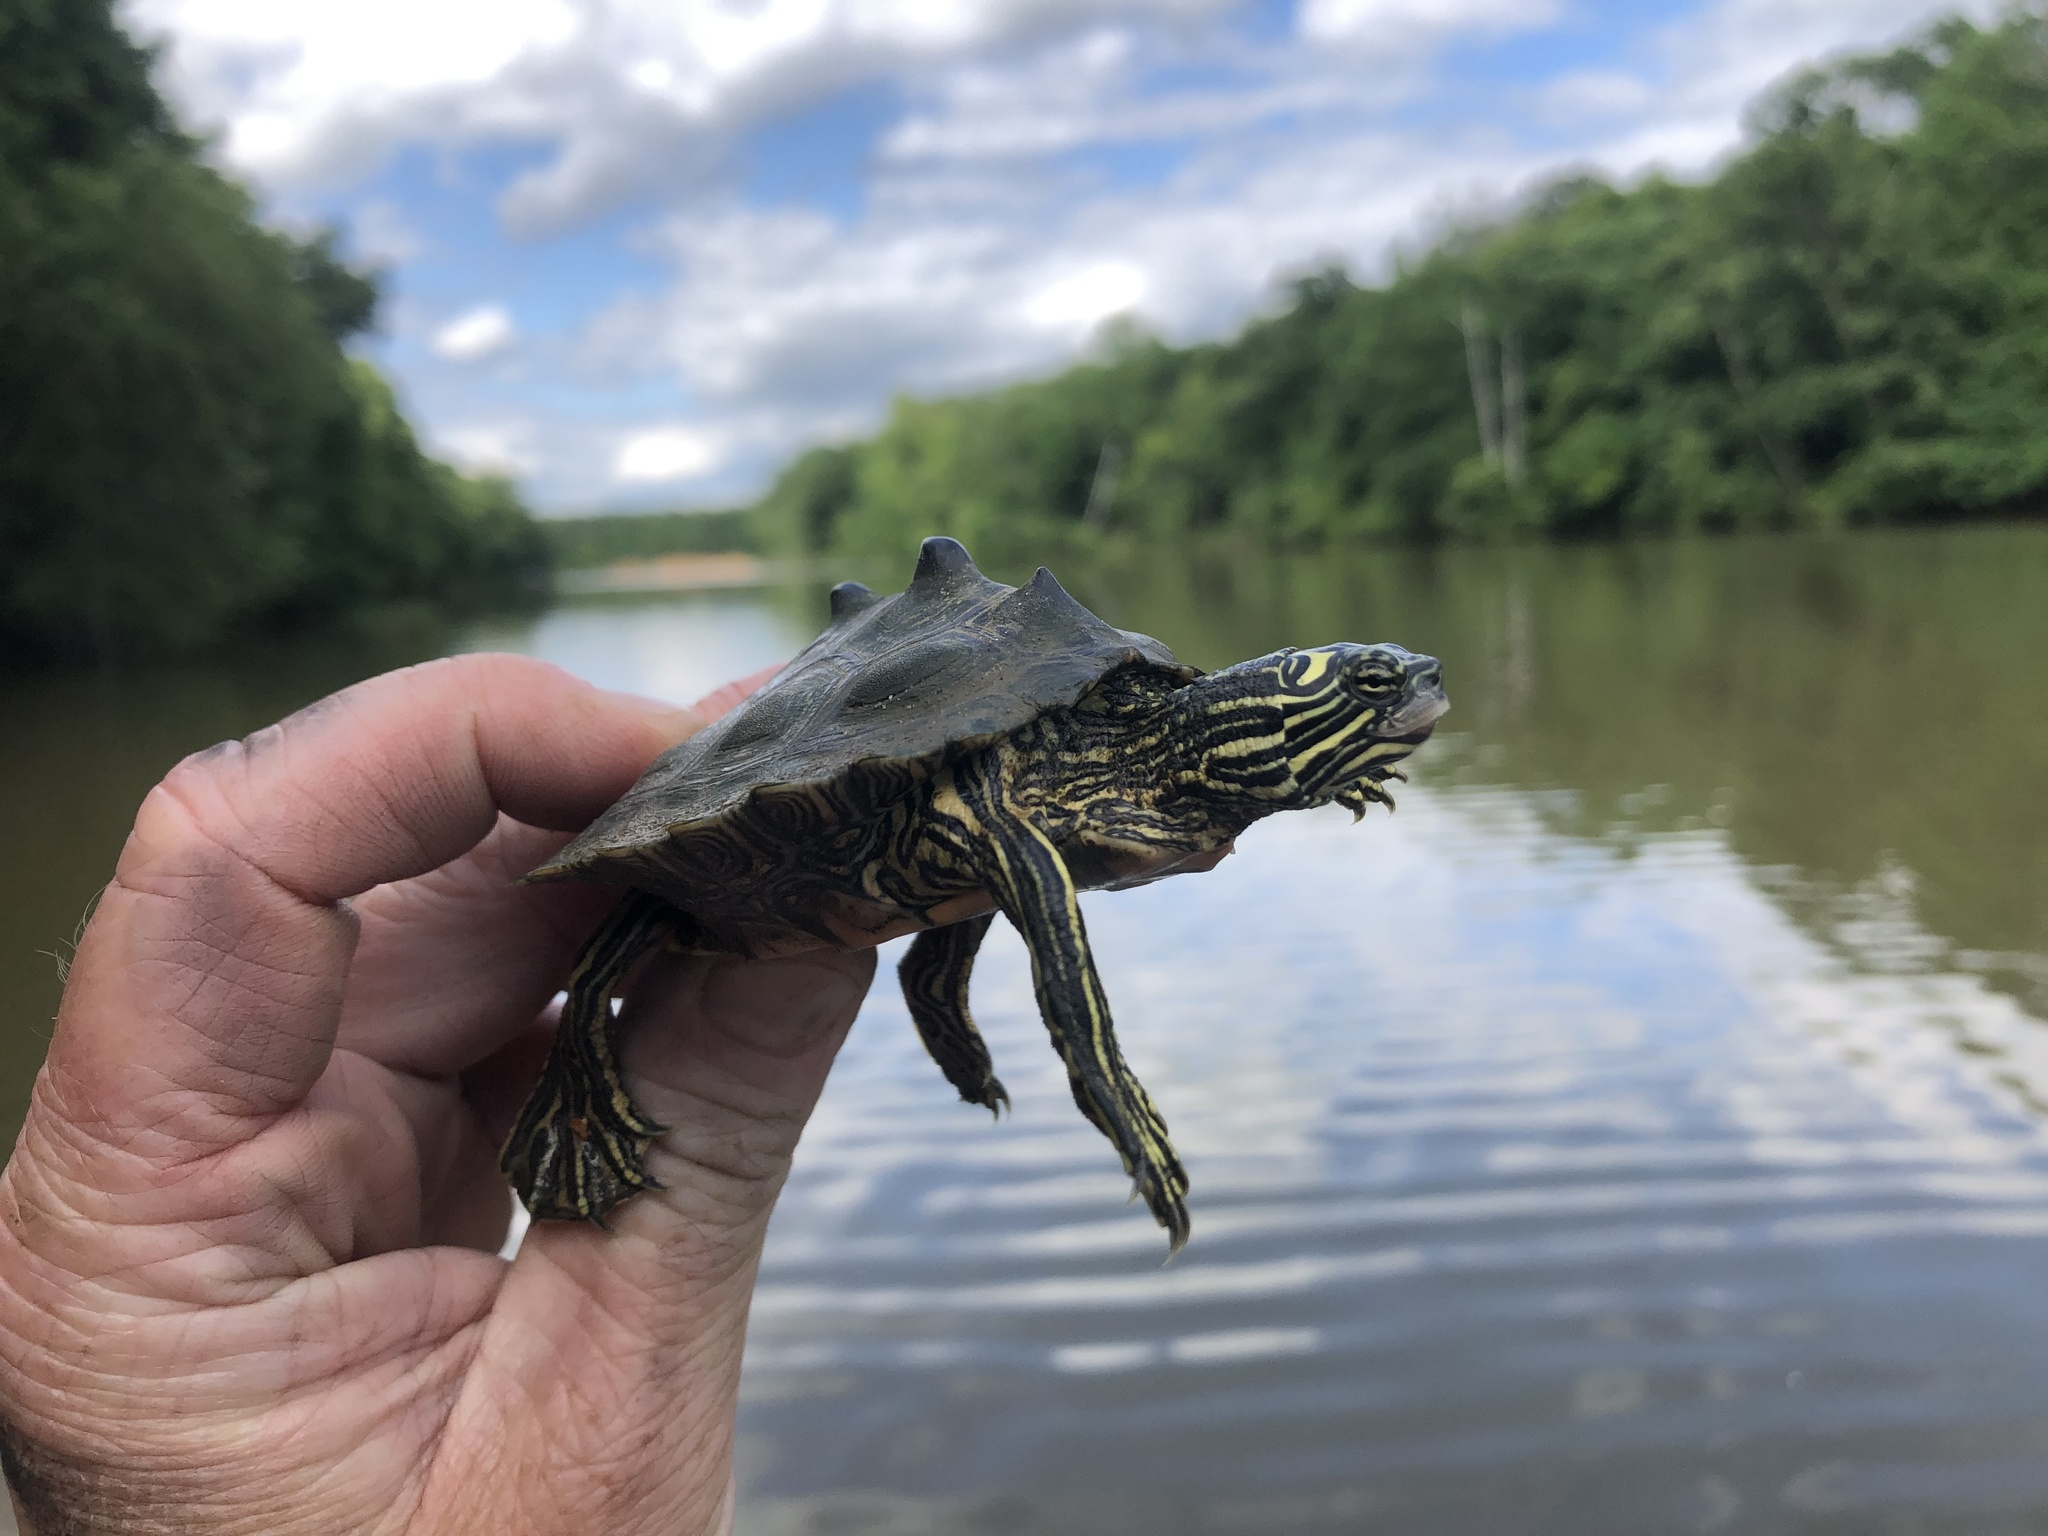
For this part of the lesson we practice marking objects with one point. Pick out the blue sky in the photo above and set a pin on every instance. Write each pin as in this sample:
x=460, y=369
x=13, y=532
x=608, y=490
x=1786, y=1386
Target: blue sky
x=642, y=251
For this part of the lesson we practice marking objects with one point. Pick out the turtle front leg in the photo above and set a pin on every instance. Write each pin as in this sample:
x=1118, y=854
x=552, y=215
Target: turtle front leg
x=934, y=975
x=1031, y=883
x=580, y=1144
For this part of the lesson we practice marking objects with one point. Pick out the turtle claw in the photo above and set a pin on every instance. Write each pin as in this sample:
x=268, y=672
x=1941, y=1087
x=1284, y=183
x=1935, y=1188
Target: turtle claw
x=993, y=1097
x=577, y=1166
x=1170, y=1210
x=579, y=1146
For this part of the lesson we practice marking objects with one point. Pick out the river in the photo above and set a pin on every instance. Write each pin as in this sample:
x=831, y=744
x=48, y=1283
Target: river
x=1642, y=1130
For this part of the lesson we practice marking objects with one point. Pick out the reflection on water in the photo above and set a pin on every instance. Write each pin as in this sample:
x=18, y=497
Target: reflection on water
x=1639, y=1132
x=1539, y=1186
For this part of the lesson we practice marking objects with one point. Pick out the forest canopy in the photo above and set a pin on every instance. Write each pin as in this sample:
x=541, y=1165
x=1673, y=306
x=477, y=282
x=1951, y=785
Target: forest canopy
x=186, y=450
x=1849, y=324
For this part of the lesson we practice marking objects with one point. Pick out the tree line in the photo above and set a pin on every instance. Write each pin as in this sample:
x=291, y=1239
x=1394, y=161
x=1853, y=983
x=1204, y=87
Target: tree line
x=579, y=542
x=1848, y=324
x=186, y=450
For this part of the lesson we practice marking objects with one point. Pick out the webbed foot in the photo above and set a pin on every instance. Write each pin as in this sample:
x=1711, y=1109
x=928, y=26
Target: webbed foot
x=934, y=974
x=572, y=1156
x=1127, y=1116
x=579, y=1147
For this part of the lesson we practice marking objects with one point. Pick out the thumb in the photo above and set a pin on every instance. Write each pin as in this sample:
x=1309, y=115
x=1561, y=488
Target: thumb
x=632, y=1338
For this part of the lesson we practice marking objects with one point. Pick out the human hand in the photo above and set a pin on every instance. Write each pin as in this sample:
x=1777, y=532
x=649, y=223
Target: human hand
x=248, y=1239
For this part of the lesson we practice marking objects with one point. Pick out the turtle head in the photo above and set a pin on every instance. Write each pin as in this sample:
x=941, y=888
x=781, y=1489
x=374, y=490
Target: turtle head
x=1334, y=722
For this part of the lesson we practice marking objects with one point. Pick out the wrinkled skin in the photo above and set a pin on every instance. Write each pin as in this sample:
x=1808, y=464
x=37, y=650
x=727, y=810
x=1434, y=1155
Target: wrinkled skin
x=248, y=1270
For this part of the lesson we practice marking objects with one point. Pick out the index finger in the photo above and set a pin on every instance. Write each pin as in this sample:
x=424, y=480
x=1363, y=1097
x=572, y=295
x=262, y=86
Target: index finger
x=205, y=994
x=450, y=963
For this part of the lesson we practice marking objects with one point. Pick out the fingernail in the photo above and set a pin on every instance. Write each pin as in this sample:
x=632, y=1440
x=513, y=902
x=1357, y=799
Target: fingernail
x=676, y=721
x=724, y=700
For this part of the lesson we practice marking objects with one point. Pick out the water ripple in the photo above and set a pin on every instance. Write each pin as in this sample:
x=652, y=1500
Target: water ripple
x=1508, y=1148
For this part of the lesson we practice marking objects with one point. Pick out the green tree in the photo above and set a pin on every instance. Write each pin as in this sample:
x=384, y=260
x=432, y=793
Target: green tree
x=1849, y=324
x=184, y=448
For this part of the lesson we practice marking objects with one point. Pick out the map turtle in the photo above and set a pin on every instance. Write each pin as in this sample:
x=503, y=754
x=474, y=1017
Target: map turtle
x=959, y=749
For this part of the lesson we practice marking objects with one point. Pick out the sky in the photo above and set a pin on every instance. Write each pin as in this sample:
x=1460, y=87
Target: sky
x=638, y=253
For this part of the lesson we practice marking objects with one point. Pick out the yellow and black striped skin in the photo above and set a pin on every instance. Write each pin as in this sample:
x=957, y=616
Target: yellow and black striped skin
x=580, y=1136
x=1145, y=775
x=934, y=975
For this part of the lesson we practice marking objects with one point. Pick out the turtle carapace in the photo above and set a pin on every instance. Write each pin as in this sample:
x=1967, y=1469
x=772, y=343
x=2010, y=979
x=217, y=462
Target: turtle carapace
x=960, y=749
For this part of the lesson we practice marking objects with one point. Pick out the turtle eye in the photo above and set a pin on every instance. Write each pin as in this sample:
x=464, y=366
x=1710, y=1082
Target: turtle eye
x=1376, y=679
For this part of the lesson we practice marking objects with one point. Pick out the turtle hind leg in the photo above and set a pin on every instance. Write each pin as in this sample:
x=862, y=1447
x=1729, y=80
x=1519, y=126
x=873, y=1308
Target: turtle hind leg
x=934, y=975
x=1031, y=883
x=1157, y=1175
x=579, y=1146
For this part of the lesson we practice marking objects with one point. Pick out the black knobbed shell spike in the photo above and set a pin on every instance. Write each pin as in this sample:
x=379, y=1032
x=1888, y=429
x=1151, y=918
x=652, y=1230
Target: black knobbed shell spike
x=940, y=558
x=1045, y=590
x=849, y=598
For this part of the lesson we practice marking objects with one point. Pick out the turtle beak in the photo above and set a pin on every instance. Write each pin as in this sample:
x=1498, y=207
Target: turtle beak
x=1416, y=717
x=1424, y=705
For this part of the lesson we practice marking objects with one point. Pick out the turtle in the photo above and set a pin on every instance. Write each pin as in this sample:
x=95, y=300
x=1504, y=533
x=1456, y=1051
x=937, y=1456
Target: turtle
x=959, y=749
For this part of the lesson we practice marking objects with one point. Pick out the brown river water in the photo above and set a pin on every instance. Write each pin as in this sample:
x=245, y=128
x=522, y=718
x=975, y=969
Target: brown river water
x=1644, y=1130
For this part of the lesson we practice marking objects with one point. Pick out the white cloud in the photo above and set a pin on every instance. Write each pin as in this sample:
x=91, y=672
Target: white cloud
x=988, y=242
x=663, y=454
x=1091, y=90
x=1392, y=24
x=955, y=277
x=804, y=328
x=325, y=85
x=475, y=334
x=631, y=94
x=1088, y=297
x=493, y=448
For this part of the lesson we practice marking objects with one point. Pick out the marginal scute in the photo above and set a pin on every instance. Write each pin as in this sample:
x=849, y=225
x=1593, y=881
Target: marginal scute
x=893, y=687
